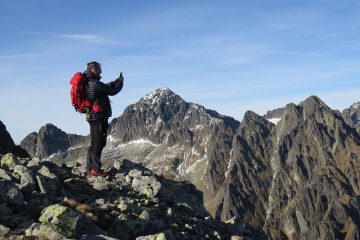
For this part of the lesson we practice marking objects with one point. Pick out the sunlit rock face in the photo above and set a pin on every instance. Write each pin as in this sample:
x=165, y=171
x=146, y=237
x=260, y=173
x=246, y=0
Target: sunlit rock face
x=298, y=179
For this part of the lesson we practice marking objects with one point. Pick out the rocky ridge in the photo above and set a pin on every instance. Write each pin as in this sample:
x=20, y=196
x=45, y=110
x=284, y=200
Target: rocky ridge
x=299, y=179
x=41, y=199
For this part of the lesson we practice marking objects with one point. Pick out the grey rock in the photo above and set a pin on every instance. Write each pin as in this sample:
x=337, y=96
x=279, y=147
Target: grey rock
x=10, y=193
x=145, y=215
x=34, y=164
x=135, y=173
x=9, y=161
x=27, y=181
x=47, y=181
x=147, y=185
x=41, y=230
x=4, y=230
x=99, y=183
x=4, y=175
x=68, y=222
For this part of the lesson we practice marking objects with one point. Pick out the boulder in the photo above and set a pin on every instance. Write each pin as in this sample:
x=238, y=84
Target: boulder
x=10, y=193
x=68, y=222
x=147, y=185
x=9, y=161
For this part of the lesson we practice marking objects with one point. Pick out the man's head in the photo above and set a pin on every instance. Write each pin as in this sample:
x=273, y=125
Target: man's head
x=94, y=67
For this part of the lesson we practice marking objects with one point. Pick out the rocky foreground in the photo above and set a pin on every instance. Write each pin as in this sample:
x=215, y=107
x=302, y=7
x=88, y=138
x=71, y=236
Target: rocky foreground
x=40, y=200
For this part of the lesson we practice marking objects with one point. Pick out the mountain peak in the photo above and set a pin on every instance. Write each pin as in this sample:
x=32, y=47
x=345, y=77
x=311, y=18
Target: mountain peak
x=313, y=101
x=160, y=92
x=159, y=95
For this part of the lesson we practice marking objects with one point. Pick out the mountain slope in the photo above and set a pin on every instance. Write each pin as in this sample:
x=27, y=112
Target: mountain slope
x=308, y=182
x=179, y=139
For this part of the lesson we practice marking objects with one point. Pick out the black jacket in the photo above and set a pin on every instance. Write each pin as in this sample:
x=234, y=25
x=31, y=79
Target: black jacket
x=98, y=94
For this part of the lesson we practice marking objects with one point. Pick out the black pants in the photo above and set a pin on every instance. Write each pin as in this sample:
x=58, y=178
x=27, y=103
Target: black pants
x=98, y=133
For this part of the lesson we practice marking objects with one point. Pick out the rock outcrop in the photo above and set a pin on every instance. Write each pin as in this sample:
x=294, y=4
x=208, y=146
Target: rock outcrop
x=39, y=198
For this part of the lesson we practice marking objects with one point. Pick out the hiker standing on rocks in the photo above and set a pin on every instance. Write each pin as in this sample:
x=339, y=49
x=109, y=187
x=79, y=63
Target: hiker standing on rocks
x=98, y=94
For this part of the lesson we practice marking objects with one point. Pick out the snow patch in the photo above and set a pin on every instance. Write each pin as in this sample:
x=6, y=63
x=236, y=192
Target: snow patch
x=154, y=97
x=229, y=165
x=197, y=127
x=111, y=139
x=137, y=142
x=274, y=120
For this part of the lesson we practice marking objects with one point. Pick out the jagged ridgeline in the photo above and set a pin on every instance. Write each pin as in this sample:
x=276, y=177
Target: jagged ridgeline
x=291, y=174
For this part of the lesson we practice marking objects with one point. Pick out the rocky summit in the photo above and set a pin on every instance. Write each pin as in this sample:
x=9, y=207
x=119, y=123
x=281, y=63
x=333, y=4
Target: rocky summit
x=39, y=199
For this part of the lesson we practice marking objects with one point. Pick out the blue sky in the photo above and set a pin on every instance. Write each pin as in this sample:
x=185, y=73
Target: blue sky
x=230, y=56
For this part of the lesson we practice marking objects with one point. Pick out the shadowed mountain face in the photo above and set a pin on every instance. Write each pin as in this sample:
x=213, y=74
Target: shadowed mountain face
x=7, y=144
x=299, y=179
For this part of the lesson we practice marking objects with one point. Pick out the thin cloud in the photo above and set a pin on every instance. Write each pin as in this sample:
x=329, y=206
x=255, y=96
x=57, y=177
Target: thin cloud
x=28, y=55
x=85, y=38
x=309, y=54
x=88, y=38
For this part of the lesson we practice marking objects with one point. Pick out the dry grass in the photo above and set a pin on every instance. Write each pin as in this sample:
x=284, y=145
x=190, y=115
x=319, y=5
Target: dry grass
x=102, y=217
x=349, y=229
x=81, y=207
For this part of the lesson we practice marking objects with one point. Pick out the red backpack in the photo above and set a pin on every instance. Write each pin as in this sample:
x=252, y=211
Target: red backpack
x=78, y=93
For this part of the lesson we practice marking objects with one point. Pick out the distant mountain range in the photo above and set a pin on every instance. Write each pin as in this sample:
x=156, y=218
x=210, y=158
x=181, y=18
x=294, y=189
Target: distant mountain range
x=293, y=173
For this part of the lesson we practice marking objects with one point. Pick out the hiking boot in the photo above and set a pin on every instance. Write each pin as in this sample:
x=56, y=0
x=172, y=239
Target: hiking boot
x=98, y=173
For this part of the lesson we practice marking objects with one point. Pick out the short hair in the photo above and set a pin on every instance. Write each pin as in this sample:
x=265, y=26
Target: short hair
x=93, y=64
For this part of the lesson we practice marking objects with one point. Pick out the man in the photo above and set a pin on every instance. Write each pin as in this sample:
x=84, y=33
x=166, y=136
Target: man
x=98, y=94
